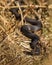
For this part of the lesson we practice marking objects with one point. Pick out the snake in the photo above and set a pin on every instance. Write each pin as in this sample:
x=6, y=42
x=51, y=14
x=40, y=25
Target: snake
x=29, y=29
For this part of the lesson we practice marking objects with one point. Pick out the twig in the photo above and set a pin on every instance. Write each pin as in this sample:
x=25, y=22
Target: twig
x=36, y=14
x=17, y=57
x=23, y=6
x=39, y=2
x=26, y=6
x=20, y=12
x=2, y=60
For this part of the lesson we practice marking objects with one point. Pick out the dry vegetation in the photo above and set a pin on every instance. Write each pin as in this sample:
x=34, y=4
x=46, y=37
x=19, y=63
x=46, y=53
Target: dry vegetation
x=13, y=43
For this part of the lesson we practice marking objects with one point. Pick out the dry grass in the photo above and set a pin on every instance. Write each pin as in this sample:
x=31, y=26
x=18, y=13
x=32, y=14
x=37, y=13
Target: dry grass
x=13, y=43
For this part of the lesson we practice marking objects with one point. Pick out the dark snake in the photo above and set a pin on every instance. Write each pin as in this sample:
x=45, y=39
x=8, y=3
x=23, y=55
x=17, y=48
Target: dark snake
x=28, y=30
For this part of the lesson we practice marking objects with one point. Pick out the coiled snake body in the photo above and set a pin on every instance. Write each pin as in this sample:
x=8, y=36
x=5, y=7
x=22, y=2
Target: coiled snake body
x=28, y=30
